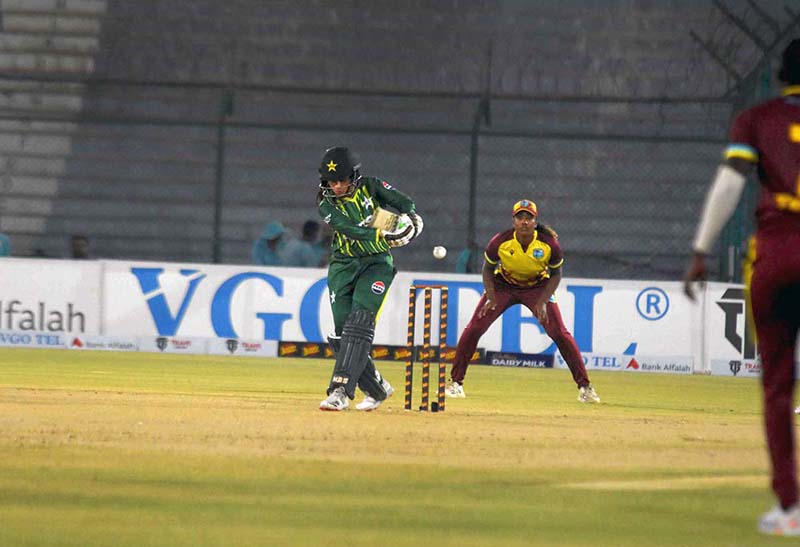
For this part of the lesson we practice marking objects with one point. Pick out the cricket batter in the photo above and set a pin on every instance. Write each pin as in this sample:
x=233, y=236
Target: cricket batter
x=522, y=266
x=360, y=272
x=767, y=136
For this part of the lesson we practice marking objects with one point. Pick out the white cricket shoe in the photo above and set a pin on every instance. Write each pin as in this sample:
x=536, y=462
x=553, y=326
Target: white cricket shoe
x=587, y=394
x=455, y=391
x=337, y=400
x=371, y=403
x=777, y=522
x=797, y=410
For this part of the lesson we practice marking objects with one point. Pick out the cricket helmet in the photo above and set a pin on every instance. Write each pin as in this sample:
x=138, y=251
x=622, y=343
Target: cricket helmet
x=338, y=163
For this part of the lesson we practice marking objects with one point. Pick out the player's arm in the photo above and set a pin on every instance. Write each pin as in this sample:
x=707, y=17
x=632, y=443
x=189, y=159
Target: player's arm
x=551, y=285
x=723, y=195
x=554, y=270
x=491, y=258
x=720, y=204
x=342, y=223
x=489, y=289
x=721, y=201
x=389, y=195
x=540, y=308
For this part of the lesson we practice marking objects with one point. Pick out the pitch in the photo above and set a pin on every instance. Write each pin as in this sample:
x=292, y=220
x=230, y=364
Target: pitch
x=101, y=448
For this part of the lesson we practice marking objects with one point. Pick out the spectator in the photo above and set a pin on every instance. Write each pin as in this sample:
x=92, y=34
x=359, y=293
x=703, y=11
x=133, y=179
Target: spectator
x=470, y=260
x=268, y=248
x=310, y=231
x=5, y=245
x=79, y=247
x=276, y=247
x=323, y=246
x=320, y=247
x=311, y=254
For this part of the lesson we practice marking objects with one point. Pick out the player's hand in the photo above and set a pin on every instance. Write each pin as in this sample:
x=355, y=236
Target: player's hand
x=540, y=313
x=400, y=238
x=402, y=233
x=488, y=305
x=416, y=220
x=696, y=272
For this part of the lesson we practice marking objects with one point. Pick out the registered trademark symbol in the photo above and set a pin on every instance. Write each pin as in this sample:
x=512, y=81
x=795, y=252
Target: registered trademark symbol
x=652, y=303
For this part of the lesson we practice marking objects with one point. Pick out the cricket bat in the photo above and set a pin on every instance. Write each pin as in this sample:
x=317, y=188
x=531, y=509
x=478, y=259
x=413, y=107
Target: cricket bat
x=384, y=220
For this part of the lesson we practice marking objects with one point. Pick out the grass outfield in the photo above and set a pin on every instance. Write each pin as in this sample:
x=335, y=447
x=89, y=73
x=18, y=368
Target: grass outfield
x=125, y=449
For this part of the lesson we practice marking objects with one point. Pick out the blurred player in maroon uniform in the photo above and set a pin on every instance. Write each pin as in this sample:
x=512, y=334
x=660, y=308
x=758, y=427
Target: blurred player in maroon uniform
x=768, y=136
x=522, y=266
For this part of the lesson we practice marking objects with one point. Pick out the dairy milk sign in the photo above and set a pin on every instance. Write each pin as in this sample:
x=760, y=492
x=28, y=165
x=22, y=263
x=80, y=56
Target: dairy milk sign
x=147, y=299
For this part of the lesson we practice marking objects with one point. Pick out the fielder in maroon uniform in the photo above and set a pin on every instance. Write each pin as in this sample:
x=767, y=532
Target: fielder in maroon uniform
x=522, y=266
x=768, y=136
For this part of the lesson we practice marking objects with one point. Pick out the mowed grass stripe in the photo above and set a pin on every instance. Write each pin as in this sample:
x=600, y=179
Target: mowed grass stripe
x=178, y=501
x=674, y=483
x=199, y=450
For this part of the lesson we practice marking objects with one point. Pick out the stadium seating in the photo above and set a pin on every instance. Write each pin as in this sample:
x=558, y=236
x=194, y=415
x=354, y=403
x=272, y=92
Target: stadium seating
x=134, y=167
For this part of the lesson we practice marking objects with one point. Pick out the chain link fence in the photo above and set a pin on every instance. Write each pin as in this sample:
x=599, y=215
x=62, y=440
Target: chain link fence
x=616, y=147
x=621, y=183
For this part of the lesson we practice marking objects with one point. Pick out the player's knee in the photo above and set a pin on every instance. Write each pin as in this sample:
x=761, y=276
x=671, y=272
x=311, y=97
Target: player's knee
x=360, y=324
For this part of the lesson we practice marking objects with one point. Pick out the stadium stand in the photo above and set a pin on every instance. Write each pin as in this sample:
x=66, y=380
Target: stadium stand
x=55, y=37
x=113, y=127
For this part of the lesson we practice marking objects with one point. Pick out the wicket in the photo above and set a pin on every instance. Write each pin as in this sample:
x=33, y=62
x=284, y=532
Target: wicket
x=425, y=356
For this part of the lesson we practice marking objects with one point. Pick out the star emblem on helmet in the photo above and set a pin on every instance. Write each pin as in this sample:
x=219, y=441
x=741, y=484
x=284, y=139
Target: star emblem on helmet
x=331, y=166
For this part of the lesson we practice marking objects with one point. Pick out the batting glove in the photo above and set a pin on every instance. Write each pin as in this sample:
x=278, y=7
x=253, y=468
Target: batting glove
x=400, y=239
x=416, y=220
x=403, y=234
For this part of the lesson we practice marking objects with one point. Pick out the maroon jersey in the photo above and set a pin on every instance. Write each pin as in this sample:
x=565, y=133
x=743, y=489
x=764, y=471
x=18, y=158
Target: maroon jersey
x=769, y=136
x=523, y=266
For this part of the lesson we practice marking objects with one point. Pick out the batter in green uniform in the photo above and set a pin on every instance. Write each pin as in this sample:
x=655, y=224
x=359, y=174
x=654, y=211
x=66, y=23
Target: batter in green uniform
x=360, y=271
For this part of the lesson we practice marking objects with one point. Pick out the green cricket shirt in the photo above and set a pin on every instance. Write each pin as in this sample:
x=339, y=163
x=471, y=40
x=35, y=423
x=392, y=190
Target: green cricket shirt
x=352, y=237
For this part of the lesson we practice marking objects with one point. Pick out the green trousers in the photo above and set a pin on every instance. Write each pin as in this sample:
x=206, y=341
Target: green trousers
x=358, y=283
